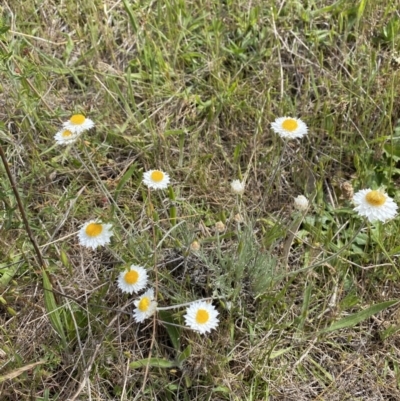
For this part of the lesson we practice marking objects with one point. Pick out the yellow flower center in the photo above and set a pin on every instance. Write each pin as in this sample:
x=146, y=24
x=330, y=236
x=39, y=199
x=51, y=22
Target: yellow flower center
x=94, y=229
x=66, y=133
x=77, y=119
x=290, y=124
x=131, y=277
x=202, y=316
x=144, y=304
x=375, y=198
x=157, y=176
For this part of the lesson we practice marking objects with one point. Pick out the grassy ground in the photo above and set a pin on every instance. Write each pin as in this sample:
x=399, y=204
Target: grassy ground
x=191, y=87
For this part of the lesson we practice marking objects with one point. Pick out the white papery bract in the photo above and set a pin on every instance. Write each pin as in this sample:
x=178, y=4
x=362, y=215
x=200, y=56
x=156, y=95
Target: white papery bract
x=65, y=137
x=78, y=123
x=375, y=205
x=156, y=179
x=133, y=279
x=289, y=127
x=237, y=187
x=94, y=234
x=201, y=316
x=145, y=306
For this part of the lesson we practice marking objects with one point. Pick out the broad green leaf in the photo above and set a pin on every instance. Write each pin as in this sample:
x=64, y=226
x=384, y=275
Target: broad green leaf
x=358, y=317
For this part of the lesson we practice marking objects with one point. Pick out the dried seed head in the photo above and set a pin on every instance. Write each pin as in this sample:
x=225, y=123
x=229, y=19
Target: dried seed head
x=195, y=246
x=220, y=226
x=347, y=190
x=238, y=218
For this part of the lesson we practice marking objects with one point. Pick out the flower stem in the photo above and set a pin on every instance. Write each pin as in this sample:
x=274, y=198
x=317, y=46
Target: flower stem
x=21, y=209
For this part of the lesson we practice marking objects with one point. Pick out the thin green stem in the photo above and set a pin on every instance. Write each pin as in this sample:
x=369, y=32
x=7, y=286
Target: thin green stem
x=21, y=209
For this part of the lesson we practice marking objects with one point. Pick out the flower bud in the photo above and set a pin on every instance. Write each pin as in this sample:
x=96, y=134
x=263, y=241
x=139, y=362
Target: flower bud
x=237, y=187
x=301, y=203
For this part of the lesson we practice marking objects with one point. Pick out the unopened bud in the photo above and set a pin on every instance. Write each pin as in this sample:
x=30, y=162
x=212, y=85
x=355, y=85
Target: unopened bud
x=238, y=218
x=220, y=226
x=195, y=246
x=301, y=203
x=237, y=187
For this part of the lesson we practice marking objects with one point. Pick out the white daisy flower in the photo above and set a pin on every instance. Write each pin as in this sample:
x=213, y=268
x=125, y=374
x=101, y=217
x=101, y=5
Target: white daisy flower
x=134, y=279
x=301, y=203
x=237, y=187
x=374, y=205
x=145, y=306
x=65, y=137
x=156, y=179
x=94, y=234
x=78, y=123
x=201, y=316
x=288, y=127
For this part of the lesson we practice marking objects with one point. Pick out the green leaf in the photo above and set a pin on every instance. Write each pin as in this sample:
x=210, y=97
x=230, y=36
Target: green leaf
x=325, y=374
x=305, y=308
x=279, y=352
x=184, y=355
x=173, y=331
x=4, y=29
x=131, y=15
x=152, y=362
x=69, y=47
x=358, y=317
x=124, y=180
x=7, y=273
x=222, y=389
x=172, y=209
x=390, y=331
x=76, y=322
x=394, y=251
x=53, y=310
x=172, y=132
x=392, y=150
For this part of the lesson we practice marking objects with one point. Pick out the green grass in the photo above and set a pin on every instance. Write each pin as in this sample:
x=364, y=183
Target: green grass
x=305, y=301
